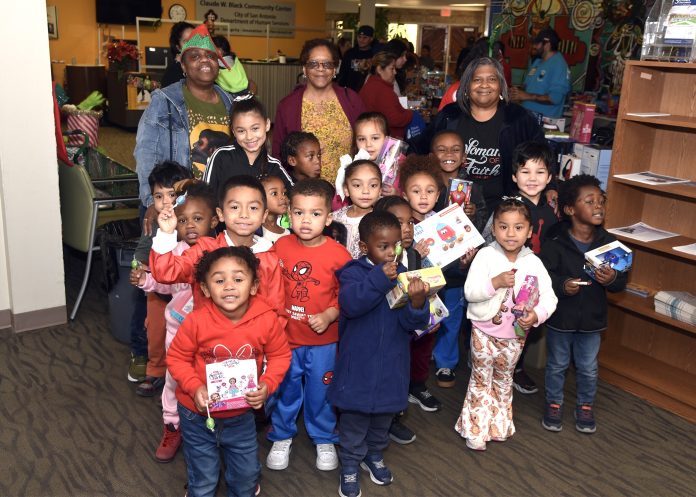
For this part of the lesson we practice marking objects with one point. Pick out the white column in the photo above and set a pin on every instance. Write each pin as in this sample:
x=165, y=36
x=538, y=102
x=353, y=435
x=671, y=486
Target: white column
x=31, y=270
x=367, y=13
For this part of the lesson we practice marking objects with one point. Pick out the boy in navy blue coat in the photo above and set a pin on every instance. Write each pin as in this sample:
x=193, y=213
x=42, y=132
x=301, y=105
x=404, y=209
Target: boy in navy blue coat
x=371, y=376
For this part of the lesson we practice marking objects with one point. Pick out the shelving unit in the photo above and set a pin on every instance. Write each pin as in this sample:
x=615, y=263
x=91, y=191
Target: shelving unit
x=644, y=352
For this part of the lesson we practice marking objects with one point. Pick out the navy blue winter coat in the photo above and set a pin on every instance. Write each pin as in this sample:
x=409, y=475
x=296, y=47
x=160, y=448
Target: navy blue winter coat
x=372, y=369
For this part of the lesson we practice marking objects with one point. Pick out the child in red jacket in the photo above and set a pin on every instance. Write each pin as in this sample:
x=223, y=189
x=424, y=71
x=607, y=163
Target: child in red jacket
x=230, y=323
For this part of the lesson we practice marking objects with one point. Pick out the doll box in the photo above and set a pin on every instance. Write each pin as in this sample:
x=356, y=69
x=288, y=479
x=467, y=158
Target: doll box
x=398, y=296
x=438, y=312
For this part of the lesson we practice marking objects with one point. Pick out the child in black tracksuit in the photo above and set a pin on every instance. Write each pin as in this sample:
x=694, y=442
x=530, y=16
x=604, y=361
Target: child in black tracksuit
x=573, y=331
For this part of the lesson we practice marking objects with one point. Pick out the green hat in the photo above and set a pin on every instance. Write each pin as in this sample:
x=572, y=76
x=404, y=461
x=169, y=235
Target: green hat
x=200, y=38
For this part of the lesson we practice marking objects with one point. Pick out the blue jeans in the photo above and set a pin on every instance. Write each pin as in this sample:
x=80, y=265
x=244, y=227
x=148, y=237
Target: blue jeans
x=234, y=439
x=446, y=350
x=138, y=334
x=584, y=348
x=305, y=384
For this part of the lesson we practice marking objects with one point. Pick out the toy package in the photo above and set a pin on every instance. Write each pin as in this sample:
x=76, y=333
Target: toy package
x=448, y=234
x=438, y=312
x=228, y=381
x=525, y=300
x=459, y=191
x=616, y=255
x=388, y=159
x=398, y=296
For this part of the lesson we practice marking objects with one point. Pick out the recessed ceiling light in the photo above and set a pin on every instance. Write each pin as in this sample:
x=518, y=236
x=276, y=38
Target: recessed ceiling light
x=381, y=5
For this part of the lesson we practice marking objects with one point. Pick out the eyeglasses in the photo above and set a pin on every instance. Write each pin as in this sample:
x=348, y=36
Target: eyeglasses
x=316, y=64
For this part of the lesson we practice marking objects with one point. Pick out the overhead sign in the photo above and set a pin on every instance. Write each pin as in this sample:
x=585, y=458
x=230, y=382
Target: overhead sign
x=251, y=18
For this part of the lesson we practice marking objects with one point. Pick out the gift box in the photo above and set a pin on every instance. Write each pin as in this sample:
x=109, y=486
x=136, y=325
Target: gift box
x=438, y=312
x=449, y=234
x=525, y=301
x=388, y=159
x=398, y=296
x=86, y=121
x=581, y=122
x=460, y=191
x=616, y=255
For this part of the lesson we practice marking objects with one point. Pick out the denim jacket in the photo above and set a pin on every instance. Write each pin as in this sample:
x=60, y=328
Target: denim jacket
x=152, y=140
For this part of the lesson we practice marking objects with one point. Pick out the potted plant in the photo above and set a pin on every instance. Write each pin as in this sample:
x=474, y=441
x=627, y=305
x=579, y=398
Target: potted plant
x=123, y=56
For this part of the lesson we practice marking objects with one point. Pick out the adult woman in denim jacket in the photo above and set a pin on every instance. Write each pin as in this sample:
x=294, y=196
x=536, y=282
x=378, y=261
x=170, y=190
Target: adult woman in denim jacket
x=163, y=130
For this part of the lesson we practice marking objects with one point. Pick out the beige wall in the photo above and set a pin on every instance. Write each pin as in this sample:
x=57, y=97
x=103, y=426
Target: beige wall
x=31, y=270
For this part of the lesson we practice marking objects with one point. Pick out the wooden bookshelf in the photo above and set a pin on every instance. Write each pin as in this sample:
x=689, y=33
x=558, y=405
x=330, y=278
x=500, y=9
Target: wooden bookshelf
x=644, y=352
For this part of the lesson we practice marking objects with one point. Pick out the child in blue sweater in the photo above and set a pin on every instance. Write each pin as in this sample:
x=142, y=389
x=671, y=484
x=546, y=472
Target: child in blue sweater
x=371, y=376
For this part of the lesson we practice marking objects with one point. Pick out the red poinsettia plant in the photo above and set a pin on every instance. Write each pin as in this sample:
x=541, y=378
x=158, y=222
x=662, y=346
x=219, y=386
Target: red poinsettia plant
x=122, y=51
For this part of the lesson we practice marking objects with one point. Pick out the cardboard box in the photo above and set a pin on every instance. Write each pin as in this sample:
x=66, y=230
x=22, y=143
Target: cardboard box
x=438, y=312
x=595, y=161
x=398, y=296
x=581, y=122
x=616, y=255
x=449, y=234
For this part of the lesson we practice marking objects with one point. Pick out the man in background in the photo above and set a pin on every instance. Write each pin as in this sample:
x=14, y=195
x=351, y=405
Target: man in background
x=356, y=62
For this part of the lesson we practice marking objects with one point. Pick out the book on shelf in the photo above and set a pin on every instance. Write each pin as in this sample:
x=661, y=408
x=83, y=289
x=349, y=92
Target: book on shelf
x=650, y=178
x=449, y=234
x=677, y=305
x=616, y=255
x=687, y=249
x=648, y=114
x=642, y=232
x=640, y=290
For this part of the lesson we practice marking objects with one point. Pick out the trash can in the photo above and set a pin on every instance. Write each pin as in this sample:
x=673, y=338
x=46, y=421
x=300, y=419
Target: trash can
x=122, y=294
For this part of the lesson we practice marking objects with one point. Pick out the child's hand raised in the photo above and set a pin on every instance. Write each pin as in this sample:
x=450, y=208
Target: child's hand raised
x=504, y=280
x=422, y=248
x=528, y=320
x=200, y=398
x=417, y=292
x=466, y=259
x=167, y=220
x=605, y=275
x=258, y=397
x=470, y=210
x=389, y=269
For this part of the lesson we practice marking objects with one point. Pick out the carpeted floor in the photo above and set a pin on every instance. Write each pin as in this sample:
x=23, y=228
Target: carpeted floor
x=72, y=426
x=119, y=144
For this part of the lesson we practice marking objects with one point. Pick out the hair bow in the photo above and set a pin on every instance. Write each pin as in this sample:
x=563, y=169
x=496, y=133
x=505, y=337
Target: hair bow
x=517, y=198
x=347, y=160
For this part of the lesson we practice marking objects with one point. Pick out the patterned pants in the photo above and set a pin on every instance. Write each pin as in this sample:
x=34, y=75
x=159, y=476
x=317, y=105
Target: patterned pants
x=487, y=411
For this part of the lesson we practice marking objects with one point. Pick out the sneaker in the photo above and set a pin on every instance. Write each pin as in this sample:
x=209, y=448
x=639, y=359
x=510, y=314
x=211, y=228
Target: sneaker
x=150, y=386
x=424, y=399
x=349, y=485
x=553, y=417
x=327, y=460
x=279, y=456
x=379, y=473
x=474, y=446
x=584, y=419
x=400, y=433
x=523, y=383
x=445, y=377
x=136, y=368
x=169, y=445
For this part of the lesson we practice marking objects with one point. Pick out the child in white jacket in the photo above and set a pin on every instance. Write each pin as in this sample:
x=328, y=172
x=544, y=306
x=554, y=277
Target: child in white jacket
x=495, y=278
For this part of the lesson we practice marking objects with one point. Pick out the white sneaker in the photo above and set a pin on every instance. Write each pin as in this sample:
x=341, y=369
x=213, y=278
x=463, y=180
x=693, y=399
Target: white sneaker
x=327, y=460
x=279, y=456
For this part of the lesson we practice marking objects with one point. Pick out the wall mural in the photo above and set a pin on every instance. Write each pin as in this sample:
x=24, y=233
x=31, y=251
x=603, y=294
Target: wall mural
x=597, y=37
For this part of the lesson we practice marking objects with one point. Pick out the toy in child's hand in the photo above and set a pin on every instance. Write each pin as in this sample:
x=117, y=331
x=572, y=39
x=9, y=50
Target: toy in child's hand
x=210, y=422
x=285, y=221
x=134, y=263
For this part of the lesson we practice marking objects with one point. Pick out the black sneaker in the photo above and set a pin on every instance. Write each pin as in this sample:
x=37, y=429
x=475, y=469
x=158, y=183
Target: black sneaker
x=523, y=383
x=424, y=399
x=553, y=417
x=400, y=433
x=445, y=377
x=584, y=419
x=150, y=386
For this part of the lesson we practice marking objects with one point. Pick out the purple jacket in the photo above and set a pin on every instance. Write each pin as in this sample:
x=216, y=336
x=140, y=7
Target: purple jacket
x=289, y=112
